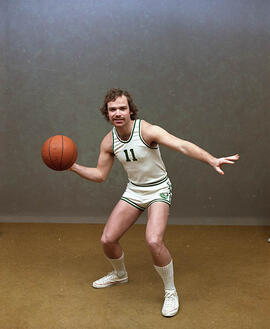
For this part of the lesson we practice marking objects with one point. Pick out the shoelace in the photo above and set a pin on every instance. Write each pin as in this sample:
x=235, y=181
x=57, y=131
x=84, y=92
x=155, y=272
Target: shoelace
x=108, y=276
x=170, y=297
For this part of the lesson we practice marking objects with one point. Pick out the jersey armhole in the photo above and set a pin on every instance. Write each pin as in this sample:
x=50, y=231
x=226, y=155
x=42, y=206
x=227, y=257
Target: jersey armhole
x=113, y=143
x=141, y=137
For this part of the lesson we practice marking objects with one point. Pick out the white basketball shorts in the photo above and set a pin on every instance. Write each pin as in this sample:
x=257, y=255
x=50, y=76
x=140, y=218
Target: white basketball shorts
x=142, y=197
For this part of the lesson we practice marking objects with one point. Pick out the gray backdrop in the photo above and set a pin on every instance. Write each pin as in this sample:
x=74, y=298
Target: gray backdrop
x=198, y=68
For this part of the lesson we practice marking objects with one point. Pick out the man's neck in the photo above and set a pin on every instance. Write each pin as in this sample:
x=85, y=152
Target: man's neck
x=125, y=131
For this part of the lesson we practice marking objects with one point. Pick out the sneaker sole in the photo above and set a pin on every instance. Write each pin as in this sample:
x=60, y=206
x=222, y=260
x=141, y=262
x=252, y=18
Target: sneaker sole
x=118, y=283
x=170, y=314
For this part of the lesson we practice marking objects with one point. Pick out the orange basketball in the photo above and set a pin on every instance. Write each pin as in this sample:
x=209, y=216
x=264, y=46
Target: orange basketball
x=59, y=152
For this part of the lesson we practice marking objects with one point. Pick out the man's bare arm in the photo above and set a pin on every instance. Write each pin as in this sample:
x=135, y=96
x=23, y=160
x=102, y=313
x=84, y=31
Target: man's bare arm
x=161, y=136
x=104, y=165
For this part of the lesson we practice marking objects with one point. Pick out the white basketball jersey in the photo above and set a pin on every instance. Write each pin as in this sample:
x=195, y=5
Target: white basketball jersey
x=142, y=162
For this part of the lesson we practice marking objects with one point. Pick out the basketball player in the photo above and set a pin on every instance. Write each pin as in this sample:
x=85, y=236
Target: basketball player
x=136, y=145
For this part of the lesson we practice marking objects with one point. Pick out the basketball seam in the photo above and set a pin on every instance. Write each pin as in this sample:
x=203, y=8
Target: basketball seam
x=50, y=155
x=73, y=149
x=62, y=152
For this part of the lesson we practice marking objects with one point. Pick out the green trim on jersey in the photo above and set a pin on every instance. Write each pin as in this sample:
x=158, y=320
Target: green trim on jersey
x=132, y=203
x=130, y=137
x=151, y=147
x=159, y=200
x=153, y=183
x=112, y=142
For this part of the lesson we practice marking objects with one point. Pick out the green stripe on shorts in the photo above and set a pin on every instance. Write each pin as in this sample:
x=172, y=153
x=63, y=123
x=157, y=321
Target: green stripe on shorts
x=132, y=203
x=152, y=184
x=159, y=200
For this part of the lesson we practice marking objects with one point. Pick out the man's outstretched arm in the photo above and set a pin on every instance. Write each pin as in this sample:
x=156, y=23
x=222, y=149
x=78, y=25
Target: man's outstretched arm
x=104, y=165
x=161, y=136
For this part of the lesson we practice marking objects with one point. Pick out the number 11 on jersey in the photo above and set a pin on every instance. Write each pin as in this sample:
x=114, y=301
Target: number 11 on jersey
x=132, y=154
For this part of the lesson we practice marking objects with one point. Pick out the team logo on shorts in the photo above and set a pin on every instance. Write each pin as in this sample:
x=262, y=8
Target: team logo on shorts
x=164, y=195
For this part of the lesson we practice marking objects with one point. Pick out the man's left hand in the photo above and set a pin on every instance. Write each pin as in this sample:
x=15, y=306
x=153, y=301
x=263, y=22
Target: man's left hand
x=226, y=160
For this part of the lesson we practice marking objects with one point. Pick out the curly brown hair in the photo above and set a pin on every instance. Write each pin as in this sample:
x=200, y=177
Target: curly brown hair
x=111, y=96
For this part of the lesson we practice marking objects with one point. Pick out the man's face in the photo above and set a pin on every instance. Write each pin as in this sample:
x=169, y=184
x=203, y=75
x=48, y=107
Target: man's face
x=119, y=112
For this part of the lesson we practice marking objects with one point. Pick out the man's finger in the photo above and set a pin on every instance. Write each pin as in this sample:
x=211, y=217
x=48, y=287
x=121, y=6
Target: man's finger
x=233, y=157
x=219, y=171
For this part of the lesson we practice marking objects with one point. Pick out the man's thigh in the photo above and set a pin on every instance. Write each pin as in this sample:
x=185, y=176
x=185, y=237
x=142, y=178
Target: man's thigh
x=158, y=214
x=121, y=219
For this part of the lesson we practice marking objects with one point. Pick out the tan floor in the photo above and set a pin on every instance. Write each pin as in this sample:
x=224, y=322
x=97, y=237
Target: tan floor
x=222, y=275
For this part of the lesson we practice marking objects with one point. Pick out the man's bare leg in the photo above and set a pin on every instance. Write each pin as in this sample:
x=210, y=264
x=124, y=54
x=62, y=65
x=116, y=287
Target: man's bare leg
x=121, y=219
x=157, y=220
x=158, y=214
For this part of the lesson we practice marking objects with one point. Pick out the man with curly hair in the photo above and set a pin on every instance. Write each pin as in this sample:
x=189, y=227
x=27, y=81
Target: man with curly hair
x=136, y=145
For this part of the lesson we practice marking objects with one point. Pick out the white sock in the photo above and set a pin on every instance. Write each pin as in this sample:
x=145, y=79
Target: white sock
x=118, y=265
x=166, y=274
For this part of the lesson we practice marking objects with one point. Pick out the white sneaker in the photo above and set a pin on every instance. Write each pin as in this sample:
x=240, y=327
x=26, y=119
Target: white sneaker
x=171, y=303
x=110, y=280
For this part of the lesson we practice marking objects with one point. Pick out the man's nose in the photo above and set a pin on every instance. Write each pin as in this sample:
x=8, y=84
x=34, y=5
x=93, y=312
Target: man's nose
x=117, y=112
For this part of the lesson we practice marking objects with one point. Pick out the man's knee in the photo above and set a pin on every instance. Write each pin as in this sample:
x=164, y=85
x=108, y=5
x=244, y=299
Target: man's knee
x=155, y=244
x=107, y=239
